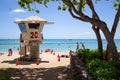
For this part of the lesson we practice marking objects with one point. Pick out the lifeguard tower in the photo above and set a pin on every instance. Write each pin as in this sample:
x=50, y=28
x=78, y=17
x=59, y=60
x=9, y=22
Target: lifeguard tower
x=31, y=36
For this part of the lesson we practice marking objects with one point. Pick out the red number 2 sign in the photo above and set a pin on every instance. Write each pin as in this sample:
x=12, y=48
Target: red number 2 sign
x=33, y=35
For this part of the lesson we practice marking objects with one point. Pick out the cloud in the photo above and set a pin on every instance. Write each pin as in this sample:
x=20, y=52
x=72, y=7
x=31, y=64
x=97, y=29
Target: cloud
x=17, y=11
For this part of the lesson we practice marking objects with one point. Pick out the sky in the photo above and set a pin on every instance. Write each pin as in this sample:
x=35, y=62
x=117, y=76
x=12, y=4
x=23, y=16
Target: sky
x=64, y=27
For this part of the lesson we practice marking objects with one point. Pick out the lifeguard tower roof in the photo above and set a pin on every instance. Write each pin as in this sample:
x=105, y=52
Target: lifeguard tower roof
x=34, y=19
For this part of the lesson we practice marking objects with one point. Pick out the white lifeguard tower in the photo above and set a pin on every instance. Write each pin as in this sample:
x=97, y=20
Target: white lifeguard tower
x=31, y=36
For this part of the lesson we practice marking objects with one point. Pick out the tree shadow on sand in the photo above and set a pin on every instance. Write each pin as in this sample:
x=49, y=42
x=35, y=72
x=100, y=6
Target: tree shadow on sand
x=22, y=62
x=56, y=73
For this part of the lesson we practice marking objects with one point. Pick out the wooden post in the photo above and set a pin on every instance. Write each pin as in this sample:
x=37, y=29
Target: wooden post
x=34, y=50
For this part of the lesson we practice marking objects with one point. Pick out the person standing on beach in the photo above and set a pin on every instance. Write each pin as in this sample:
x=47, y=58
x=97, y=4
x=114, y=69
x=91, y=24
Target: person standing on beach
x=10, y=52
x=83, y=47
x=77, y=46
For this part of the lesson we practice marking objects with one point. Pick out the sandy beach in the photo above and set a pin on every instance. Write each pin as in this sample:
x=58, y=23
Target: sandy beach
x=47, y=61
x=48, y=69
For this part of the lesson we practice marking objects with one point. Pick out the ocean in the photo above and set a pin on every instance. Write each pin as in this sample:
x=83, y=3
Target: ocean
x=56, y=44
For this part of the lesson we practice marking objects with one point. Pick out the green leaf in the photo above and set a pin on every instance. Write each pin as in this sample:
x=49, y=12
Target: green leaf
x=37, y=11
x=59, y=7
x=117, y=0
x=75, y=2
x=39, y=1
x=115, y=5
x=46, y=6
x=64, y=8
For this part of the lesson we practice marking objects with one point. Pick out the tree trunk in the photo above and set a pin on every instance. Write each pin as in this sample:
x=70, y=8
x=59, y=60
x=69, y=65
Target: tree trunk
x=107, y=52
x=109, y=39
x=100, y=46
x=114, y=27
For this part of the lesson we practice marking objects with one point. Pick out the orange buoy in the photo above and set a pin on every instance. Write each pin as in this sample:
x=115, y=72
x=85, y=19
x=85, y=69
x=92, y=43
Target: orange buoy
x=37, y=62
x=54, y=53
x=17, y=62
x=58, y=58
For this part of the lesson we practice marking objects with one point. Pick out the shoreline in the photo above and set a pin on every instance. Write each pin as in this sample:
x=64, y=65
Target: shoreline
x=56, y=44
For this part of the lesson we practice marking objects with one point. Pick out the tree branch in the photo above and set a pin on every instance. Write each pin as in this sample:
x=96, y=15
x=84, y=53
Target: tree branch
x=116, y=20
x=90, y=4
x=70, y=5
x=70, y=10
x=82, y=16
x=80, y=5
